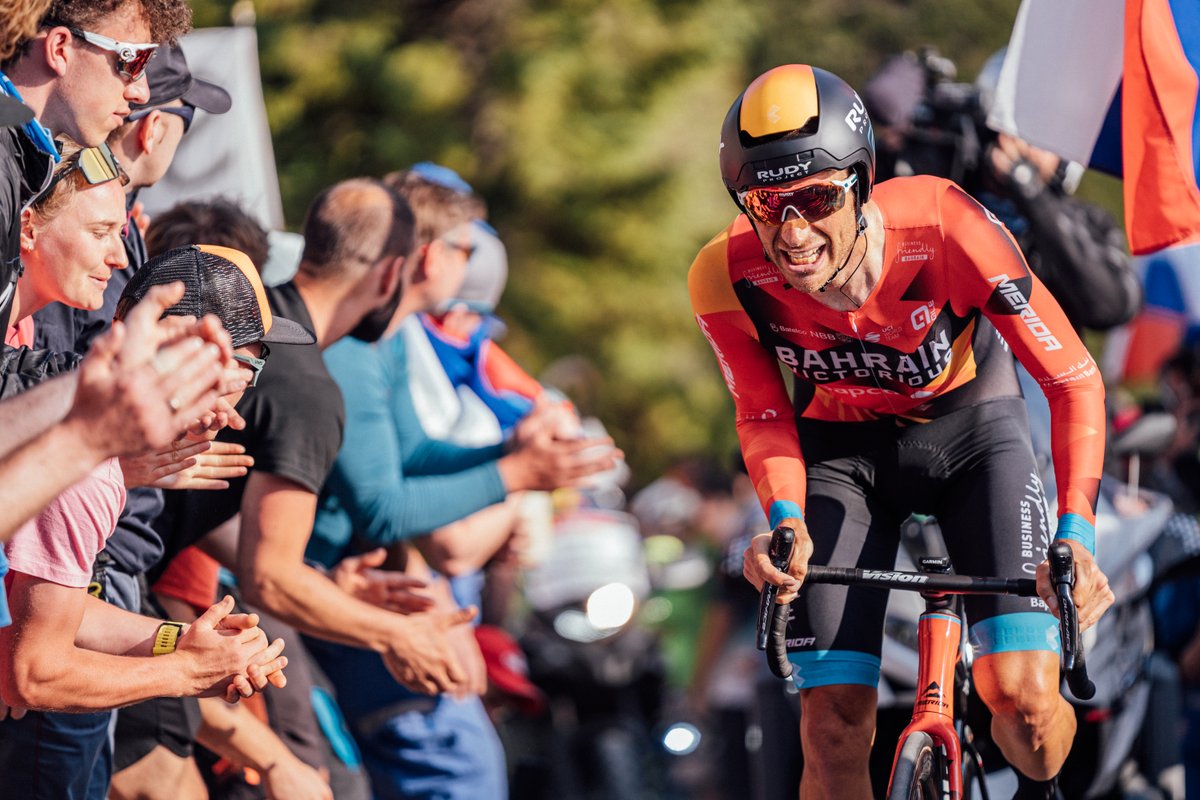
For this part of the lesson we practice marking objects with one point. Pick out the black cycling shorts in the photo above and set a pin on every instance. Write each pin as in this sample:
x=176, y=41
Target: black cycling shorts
x=974, y=469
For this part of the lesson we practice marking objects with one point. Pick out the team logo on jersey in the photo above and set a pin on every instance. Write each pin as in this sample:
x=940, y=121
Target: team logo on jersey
x=722, y=361
x=1016, y=295
x=762, y=275
x=883, y=334
x=914, y=251
x=922, y=317
x=880, y=364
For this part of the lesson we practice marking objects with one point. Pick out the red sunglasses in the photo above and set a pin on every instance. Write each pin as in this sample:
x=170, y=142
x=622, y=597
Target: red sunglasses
x=132, y=59
x=811, y=203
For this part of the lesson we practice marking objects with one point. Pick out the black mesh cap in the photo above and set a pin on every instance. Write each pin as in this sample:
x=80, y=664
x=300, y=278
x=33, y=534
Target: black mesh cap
x=220, y=281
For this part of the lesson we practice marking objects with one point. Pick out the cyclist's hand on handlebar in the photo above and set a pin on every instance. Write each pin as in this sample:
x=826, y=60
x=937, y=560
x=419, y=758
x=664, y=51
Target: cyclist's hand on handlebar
x=756, y=563
x=1091, y=593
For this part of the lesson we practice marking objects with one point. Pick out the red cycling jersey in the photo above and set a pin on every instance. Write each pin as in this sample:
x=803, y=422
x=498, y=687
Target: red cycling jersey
x=924, y=343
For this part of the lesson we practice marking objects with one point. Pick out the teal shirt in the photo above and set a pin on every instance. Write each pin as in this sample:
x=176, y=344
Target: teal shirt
x=390, y=481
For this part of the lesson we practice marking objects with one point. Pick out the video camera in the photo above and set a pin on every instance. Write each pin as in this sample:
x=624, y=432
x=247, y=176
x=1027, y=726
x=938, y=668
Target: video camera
x=948, y=134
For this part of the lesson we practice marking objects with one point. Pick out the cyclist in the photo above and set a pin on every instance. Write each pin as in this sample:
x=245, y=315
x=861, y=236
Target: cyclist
x=895, y=307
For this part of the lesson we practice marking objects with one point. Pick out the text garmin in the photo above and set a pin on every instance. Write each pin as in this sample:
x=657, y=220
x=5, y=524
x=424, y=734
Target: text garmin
x=1016, y=298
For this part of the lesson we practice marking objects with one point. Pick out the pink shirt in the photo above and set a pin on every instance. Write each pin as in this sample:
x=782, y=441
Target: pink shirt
x=60, y=544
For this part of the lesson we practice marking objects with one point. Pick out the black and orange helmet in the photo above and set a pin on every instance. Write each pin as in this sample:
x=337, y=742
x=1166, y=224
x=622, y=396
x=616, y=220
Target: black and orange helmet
x=793, y=121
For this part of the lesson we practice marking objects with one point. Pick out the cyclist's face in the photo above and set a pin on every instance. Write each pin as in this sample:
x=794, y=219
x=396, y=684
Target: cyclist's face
x=808, y=253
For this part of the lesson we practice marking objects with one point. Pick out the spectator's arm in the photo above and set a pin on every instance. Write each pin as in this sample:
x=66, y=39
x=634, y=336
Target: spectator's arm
x=467, y=545
x=277, y=516
x=42, y=667
x=369, y=478
x=233, y=732
x=105, y=628
x=31, y=413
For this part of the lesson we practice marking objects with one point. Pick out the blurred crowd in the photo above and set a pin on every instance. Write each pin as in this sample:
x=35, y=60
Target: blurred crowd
x=268, y=539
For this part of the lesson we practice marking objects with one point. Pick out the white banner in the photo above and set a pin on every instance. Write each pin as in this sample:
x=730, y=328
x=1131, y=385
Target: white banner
x=1060, y=74
x=230, y=154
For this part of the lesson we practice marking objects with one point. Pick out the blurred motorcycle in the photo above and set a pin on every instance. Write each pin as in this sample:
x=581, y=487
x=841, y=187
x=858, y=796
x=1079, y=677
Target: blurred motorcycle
x=600, y=668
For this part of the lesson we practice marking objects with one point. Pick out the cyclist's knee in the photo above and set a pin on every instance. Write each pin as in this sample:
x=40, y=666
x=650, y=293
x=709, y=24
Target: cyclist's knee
x=839, y=719
x=1020, y=685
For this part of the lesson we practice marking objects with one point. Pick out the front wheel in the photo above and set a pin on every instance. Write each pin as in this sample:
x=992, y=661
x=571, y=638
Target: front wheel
x=918, y=772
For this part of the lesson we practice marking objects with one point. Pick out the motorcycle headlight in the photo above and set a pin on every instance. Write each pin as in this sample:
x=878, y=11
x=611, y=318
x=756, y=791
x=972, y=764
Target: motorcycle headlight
x=610, y=606
x=681, y=739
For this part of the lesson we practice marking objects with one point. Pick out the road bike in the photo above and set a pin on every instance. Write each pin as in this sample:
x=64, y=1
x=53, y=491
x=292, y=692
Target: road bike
x=936, y=758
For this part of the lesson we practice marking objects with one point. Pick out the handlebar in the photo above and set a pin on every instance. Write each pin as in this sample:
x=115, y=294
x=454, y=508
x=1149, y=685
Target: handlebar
x=773, y=617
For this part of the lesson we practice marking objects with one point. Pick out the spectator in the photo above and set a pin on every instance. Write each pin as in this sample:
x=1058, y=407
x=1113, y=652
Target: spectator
x=413, y=746
x=70, y=238
x=153, y=740
x=144, y=145
x=357, y=239
x=192, y=577
x=52, y=564
x=78, y=85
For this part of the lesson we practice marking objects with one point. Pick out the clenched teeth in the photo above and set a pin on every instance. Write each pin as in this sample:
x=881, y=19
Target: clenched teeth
x=802, y=257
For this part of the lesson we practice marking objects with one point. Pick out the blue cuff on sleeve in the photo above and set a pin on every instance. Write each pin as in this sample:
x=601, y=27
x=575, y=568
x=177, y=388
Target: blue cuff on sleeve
x=1073, y=526
x=783, y=509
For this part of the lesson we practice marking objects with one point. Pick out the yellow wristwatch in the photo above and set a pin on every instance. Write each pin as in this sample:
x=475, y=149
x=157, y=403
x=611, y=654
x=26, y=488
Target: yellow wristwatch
x=166, y=637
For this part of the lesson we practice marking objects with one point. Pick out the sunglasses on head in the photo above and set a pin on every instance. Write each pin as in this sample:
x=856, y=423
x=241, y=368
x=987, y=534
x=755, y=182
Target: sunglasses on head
x=812, y=202
x=254, y=364
x=185, y=112
x=96, y=164
x=131, y=58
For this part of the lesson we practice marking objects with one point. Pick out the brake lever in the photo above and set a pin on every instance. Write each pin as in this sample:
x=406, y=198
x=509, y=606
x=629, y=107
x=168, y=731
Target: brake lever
x=1062, y=577
x=773, y=617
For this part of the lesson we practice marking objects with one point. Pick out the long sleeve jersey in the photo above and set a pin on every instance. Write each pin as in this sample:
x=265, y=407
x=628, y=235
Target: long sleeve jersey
x=933, y=336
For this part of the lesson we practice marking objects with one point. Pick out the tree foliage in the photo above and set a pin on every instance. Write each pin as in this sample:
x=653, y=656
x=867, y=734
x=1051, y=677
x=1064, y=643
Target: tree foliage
x=590, y=126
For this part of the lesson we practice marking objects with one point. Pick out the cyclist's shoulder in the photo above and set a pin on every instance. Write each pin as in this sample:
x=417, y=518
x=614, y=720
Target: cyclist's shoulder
x=709, y=278
x=918, y=200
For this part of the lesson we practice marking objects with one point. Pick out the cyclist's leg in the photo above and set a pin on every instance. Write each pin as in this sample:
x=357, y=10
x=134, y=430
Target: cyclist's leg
x=993, y=516
x=835, y=635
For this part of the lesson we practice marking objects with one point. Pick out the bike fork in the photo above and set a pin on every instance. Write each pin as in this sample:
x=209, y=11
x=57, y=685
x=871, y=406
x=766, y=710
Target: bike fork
x=939, y=636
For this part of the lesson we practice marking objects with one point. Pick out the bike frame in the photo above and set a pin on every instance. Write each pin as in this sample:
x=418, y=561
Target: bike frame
x=939, y=635
x=939, y=641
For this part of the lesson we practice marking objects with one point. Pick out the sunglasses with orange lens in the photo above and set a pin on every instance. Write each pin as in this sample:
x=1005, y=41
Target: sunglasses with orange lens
x=812, y=202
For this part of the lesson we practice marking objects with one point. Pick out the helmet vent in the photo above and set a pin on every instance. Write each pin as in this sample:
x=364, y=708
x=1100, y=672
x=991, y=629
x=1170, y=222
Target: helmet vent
x=808, y=129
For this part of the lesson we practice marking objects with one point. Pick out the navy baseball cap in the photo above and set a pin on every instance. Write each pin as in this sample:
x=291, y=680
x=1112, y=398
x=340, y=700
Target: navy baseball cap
x=170, y=79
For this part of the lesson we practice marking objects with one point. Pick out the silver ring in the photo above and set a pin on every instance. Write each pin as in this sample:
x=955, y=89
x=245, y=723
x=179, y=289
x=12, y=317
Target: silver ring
x=174, y=404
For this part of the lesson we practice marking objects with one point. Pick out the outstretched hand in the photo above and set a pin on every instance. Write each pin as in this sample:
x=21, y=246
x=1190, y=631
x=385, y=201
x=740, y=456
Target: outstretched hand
x=360, y=577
